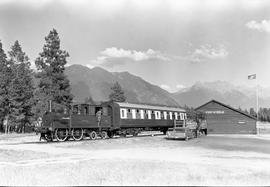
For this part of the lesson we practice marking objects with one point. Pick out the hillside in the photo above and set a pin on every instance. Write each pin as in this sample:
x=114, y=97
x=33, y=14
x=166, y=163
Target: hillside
x=97, y=83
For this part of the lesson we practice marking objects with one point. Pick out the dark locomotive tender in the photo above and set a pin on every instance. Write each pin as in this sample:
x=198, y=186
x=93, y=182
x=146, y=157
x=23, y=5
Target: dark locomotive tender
x=107, y=120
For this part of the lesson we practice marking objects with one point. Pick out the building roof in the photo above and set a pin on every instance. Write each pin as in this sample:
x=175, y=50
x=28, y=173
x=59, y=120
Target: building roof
x=222, y=104
x=142, y=106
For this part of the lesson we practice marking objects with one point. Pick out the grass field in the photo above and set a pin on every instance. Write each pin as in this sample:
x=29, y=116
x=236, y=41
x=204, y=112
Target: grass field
x=143, y=160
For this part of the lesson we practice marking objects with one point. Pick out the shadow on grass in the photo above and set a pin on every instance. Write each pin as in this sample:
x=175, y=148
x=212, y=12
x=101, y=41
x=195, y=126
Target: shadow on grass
x=71, y=140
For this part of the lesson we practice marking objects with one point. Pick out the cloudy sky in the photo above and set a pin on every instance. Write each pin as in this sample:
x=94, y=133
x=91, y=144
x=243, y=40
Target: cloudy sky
x=170, y=43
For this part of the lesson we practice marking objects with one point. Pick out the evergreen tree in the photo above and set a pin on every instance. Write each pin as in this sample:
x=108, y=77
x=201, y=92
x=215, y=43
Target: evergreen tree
x=53, y=83
x=252, y=112
x=21, y=88
x=117, y=94
x=5, y=77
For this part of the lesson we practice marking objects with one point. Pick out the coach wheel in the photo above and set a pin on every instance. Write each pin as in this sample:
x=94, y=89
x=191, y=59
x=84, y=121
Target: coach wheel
x=61, y=134
x=104, y=135
x=77, y=134
x=123, y=135
x=135, y=133
x=93, y=135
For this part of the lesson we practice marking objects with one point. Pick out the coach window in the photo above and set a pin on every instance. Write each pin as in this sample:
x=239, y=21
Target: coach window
x=171, y=116
x=157, y=114
x=123, y=112
x=133, y=112
x=129, y=116
x=175, y=115
x=182, y=116
x=149, y=114
x=165, y=114
x=179, y=116
x=138, y=115
x=142, y=114
x=152, y=115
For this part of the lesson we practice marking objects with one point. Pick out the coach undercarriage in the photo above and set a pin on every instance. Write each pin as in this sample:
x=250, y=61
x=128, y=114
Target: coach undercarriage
x=77, y=134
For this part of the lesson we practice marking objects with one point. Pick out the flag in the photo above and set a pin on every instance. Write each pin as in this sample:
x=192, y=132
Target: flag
x=250, y=77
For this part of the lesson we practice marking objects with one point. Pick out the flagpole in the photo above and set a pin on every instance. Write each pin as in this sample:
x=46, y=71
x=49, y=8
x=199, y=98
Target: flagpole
x=257, y=104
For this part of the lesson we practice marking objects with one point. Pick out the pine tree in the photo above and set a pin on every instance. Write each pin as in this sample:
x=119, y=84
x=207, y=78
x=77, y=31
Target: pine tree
x=21, y=88
x=117, y=94
x=5, y=72
x=53, y=83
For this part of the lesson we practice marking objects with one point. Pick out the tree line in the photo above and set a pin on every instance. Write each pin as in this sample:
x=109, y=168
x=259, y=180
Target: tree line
x=263, y=113
x=24, y=93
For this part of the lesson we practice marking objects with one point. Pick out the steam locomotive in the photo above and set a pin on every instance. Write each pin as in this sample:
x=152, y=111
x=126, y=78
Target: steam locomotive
x=107, y=120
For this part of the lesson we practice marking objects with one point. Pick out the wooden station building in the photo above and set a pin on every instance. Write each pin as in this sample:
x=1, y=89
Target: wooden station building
x=223, y=119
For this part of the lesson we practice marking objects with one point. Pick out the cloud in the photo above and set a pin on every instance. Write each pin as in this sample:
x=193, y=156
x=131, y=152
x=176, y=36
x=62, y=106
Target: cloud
x=263, y=26
x=208, y=52
x=118, y=56
x=114, y=56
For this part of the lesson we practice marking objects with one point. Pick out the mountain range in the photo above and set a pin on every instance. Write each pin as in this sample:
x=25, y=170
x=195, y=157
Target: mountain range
x=97, y=82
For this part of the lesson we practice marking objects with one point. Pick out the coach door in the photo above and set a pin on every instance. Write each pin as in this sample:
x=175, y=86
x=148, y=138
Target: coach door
x=105, y=120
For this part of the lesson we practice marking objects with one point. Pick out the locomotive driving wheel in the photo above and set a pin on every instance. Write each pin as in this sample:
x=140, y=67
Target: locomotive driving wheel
x=61, y=134
x=77, y=134
x=104, y=135
x=93, y=135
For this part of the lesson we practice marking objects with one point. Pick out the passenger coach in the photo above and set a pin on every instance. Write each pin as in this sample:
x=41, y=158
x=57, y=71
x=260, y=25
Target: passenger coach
x=127, y=115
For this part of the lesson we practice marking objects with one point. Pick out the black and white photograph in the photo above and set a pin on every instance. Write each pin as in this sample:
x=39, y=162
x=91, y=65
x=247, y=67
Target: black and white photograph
x=134, y=93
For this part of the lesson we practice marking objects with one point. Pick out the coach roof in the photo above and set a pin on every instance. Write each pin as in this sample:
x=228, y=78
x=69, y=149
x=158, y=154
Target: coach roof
x=142, y=106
